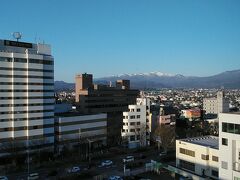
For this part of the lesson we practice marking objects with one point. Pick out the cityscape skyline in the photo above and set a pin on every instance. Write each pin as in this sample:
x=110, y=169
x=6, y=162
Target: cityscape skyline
x=171, y=37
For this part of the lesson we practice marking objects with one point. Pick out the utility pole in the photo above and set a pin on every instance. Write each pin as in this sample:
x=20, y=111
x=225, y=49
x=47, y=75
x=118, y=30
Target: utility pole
x=79, y=136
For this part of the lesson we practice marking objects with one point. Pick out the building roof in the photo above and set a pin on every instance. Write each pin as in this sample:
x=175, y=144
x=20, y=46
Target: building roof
x=208, y=141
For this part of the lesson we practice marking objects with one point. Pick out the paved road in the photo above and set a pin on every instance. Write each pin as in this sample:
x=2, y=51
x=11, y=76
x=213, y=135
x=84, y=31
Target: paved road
x=116, y=169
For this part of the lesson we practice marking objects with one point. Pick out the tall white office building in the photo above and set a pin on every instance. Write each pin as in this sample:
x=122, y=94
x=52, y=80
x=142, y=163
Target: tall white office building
x=26, y=96
x=229, y=146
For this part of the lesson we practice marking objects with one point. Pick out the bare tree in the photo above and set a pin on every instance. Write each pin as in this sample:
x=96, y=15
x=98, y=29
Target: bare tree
x=140, y=132
x=166, y=136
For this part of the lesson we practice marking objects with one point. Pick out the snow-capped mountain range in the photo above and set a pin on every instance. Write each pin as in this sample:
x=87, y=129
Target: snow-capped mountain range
x=227, y=79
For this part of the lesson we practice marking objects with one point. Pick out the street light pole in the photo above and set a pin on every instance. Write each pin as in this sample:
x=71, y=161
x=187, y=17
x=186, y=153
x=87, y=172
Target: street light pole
x=79, y=136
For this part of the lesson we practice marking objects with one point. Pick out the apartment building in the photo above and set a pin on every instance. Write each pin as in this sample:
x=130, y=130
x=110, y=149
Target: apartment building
x=214, y=106
x=198, y=157
x=93, y=99
x=26, y=96
x=229, y=146
x=137, y=124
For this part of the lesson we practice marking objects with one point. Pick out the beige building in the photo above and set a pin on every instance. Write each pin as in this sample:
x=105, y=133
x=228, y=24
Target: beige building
x=214, y=106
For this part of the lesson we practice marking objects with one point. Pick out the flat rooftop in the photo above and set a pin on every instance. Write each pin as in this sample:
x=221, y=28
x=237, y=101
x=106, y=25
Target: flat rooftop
x=208, y=141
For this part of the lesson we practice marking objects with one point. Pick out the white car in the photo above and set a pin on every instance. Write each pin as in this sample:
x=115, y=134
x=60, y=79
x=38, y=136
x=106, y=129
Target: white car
x=106, y=163
x=74, y=169
x=128, y=159
x=115, y=178
x=3, y=178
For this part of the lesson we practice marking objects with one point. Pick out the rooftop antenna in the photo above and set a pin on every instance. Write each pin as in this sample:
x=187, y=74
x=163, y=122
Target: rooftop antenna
x=17, y=35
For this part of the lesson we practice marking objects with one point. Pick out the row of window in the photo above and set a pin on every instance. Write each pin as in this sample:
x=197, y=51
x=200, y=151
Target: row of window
x=192, y=153
x=24, y=76
x=22, y=60
x=30, y=97
x=23, y=112
x=187, y=152
x=25, y=69
x=19, y=105
x=22, y=83
x=131, y=130
x=23, y=90
x=134, y=138
x=133, y=110
x=26, y=128
x=191, y=167
x=25, y=119
x=132, y=117
x=231, y=128
x=131, y=123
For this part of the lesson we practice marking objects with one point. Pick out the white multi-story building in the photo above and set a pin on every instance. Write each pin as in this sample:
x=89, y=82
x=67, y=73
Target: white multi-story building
x=198, y=156
x=229, y=146
x=26, y=95
x=214, y=106
x=137, y=124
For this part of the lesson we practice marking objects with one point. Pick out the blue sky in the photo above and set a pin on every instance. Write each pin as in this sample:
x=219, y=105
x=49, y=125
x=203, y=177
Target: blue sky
x=109, y=37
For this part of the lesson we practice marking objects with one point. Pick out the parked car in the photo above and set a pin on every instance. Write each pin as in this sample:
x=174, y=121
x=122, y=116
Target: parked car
x=162, y=154
x=3, y=178
x=106, y=163
x=128, y=159
x=33, y=176
x=74, y=169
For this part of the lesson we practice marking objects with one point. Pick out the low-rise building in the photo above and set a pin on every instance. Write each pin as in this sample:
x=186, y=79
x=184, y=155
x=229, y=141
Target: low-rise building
x=72, y=129
x=191, y=114
x=198, y=156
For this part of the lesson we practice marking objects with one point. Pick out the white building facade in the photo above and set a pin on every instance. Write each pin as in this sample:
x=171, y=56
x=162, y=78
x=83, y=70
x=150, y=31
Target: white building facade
x=229, y=146
x=198, y=156
x=137, y=124
x=26, y=95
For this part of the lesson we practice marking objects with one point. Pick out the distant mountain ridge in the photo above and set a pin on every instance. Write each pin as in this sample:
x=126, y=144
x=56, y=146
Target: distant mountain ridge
x=227, y=79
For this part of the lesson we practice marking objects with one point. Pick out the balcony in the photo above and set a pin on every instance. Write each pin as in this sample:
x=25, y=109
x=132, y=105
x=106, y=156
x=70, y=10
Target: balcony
x=236, y=166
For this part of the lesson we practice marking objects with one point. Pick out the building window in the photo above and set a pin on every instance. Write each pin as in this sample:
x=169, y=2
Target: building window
x=132, y=138
x=224, y=127
x=224, y=165
x=215, y=158
x=187, y=152
x=132, y=130
x=231, y=128
x=205, y=157
x=132, y=117
x=132, y=123
x=138, y=110
x=215, y=173
x=138, y=116
x=187, y=165
x=138, y=123
x=132, y=110
x=224, y=141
